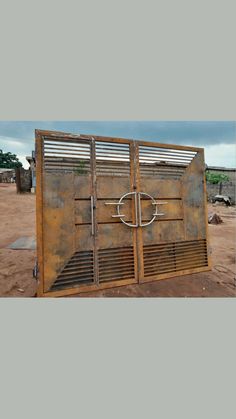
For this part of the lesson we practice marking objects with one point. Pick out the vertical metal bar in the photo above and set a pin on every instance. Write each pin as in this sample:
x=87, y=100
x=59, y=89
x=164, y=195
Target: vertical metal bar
x=139, y=233
x=139, y=211
x=92, y=215
x=209, y=258
x=136, y=209
x=133, y=187
x=94, y=210
x=39, y=210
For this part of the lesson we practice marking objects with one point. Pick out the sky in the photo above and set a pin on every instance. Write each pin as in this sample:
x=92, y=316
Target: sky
x=218, y=138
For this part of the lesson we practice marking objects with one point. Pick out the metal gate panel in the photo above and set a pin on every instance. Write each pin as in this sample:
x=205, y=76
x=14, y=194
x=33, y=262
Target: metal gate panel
x=115, y=243
x=194, y=199
x=58, y=224
x=113, y=212
x=64, y=187
x=176, y=241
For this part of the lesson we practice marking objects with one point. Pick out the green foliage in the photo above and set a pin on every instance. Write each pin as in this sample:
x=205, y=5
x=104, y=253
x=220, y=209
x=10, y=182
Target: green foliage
x=9, y=160
x=80, y=170
x=216, y=178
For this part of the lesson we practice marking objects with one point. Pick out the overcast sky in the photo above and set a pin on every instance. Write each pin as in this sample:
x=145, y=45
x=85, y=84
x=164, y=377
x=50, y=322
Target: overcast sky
x=218, y=138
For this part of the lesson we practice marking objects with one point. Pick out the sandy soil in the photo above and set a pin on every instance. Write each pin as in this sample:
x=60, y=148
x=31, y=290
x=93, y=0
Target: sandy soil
x=17, y=219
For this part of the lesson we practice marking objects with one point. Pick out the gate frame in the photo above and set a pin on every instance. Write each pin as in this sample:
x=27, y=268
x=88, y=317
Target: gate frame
x=134, y=167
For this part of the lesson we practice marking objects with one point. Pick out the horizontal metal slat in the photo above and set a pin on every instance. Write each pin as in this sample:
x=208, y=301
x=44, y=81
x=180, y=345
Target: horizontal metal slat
x=110, y=250
x=66, y=159
x=117, y=278
x=115, y=264
x=108, y=169
x=153, y=159
x=111, y=146
x=173, y=257
x=167, y=149
x=115, y=258
x=82, y=255
x=113, y=273
x=83, y=155
x=71, y=283
x=112, y=151
x=68, y=145
x=83, y=272
x=173, y=252
x=172, y=268
x=174, y=260
x=79, y=269
x=176, y=244
x=66, y=140
x=154, y=153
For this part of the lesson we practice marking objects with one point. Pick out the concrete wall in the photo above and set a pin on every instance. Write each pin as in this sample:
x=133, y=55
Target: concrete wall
x=23, y=180
x=228, y=188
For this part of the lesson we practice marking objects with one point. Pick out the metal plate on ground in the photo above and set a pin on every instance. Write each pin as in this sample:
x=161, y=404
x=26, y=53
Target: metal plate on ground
x=23, y=243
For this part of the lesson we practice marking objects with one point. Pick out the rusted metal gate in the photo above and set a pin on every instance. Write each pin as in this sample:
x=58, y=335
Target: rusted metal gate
x=113, y=212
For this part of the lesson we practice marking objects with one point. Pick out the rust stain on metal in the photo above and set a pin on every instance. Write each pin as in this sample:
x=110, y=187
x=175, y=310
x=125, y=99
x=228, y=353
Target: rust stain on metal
x=113, y=212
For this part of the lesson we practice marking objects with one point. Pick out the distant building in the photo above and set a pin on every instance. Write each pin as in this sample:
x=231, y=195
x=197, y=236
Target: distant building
x=7, y=175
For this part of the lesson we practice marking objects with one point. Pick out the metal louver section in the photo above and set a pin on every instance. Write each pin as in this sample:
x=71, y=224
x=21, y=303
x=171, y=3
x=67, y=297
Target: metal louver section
x=71, y=155
x=164, y=163
x=112, y=159
x=174, y=257
x=115, y=264
x=79, y=270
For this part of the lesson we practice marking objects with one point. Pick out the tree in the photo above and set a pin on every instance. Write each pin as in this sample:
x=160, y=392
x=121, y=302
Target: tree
x=9, y=160
x=216, y=178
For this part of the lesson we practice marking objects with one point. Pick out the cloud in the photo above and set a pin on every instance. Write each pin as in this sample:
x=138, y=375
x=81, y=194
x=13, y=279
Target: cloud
x=23, y=161
x=181, y=132
x=18, y=136
x=221, y=155
x=11, y=142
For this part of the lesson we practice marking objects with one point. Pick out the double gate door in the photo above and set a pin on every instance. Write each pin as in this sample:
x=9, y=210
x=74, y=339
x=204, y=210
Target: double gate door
x=113, y=212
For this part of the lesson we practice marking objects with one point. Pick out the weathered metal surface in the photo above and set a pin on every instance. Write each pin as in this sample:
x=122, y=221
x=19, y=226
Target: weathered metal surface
x=82, y=186
x=58, y=224
x=161, y=188
x=105, y=212
x=83, y=238
x=172, y=209
x=112, y=187
x=83, y=211
x=193, y=199
x=85, y=241
x=163, y=231
x=114, y=235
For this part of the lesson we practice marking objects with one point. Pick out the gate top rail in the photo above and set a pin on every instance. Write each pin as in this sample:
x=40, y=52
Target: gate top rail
x=70, y=137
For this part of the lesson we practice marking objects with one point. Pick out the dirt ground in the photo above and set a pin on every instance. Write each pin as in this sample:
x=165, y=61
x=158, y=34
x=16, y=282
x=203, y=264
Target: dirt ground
x=17, y=219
